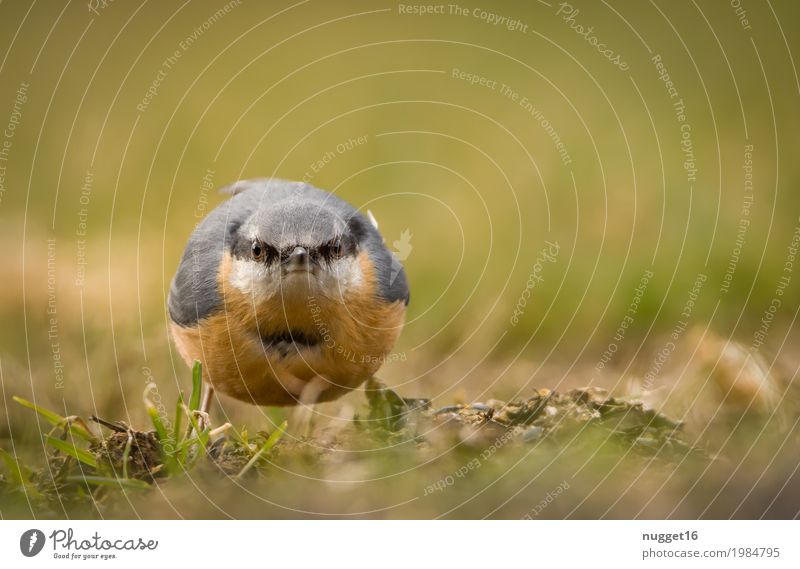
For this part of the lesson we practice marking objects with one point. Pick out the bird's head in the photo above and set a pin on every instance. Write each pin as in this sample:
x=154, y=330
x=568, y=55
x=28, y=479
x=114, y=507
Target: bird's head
x=295, y=249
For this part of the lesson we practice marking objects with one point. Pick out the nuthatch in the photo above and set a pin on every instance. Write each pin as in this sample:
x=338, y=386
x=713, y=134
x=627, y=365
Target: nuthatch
x=286, y=294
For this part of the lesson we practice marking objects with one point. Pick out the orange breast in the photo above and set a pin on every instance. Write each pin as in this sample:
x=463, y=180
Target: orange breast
x=354, y=334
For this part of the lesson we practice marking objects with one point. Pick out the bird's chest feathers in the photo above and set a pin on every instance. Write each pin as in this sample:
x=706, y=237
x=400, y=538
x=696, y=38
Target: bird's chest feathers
x=341, y=317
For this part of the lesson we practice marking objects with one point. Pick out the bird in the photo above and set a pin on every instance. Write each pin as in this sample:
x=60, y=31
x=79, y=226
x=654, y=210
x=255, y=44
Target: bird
x=287, y=295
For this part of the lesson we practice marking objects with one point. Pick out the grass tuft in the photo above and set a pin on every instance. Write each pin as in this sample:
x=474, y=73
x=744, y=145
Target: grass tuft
x=267, y=446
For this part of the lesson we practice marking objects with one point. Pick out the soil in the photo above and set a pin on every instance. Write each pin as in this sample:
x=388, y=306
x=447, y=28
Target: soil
x=548, y=417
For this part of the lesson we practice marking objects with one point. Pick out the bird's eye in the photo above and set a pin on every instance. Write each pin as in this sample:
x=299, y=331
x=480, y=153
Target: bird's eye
x=258, y=250
x=336, y=248
x=333, y=250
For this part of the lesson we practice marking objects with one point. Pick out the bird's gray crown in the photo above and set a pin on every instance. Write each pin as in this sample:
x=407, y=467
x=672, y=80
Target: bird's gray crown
x=292, y=222
x=326, y=228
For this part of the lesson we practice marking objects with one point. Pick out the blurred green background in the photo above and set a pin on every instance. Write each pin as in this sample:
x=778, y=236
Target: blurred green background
x=263, y=89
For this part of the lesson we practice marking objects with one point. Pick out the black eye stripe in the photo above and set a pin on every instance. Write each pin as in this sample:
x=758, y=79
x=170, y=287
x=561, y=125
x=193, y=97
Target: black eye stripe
x=262, y=252
x=336, y=248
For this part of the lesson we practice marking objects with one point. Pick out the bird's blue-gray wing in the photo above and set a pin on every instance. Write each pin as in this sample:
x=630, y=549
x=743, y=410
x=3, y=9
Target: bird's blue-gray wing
x=392, y=282
x=194, y=294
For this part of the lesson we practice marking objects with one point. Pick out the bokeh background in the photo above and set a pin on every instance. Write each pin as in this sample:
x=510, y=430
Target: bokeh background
x=485, y=139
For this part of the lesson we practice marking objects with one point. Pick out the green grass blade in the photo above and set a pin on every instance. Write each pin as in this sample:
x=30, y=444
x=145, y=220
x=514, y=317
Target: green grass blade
x=273, y=438
x=125, y=483
x=197, y=385
x=176, y=427
x=80, y=454
x=186, y=444
x=55, y=419
x=200, y=438
x=19, y=473
x=164, y=439
x=158, y=424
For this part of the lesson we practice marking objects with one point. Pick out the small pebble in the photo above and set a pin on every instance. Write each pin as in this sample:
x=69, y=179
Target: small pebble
x=532, y=434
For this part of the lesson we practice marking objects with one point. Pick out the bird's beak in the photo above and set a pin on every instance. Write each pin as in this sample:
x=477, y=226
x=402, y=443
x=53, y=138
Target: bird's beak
x=298, y=260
